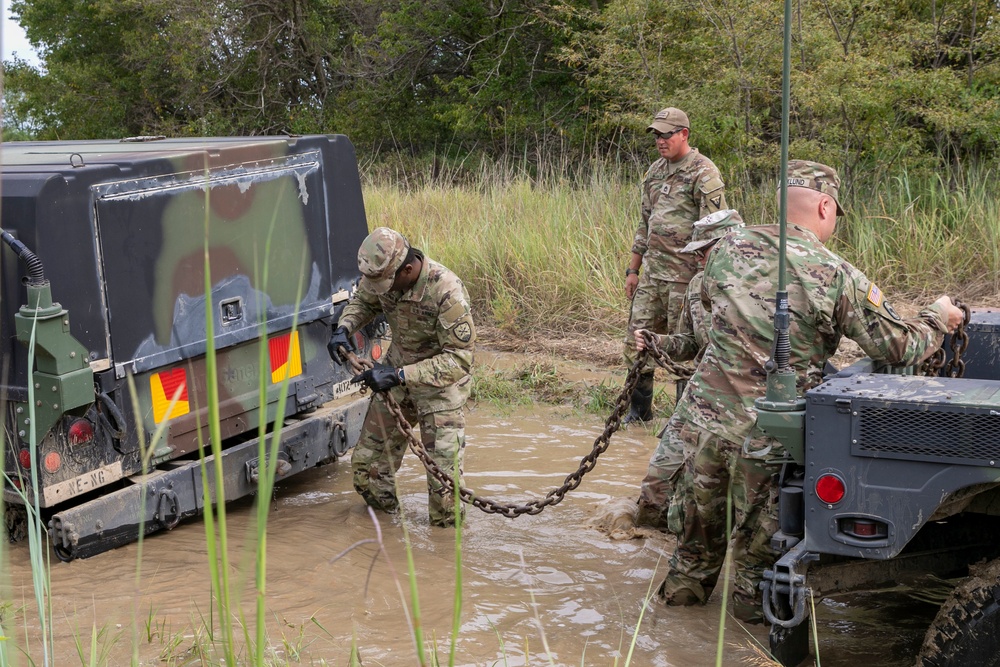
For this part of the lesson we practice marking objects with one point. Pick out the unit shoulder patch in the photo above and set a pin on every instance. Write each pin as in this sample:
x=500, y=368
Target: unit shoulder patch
x=463, y=331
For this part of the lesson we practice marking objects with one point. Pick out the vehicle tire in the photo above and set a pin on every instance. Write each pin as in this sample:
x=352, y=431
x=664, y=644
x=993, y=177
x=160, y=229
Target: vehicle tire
x=16, y=520
x=966, y=630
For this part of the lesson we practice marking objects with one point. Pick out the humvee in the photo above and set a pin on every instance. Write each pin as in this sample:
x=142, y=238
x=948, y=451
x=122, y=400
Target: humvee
x=896, y=478
x=106, y=322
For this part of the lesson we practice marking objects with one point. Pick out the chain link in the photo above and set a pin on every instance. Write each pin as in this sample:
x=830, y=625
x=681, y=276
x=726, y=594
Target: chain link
x=573, y=480
x=935, y=365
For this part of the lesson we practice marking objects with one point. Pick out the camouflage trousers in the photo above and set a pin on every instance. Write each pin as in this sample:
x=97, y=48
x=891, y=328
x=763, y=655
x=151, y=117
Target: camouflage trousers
x=716, y=470
x=666, y=483
x=379, y=454
x=656, y=306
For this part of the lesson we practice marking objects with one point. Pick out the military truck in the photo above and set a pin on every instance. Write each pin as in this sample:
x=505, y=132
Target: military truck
x=103, y=308
x=895, y=477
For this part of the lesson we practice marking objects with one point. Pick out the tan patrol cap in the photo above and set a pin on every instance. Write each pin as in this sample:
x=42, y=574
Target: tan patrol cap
x=379, y=257
x=815, y=176
x=713, y=227
x=668, y=120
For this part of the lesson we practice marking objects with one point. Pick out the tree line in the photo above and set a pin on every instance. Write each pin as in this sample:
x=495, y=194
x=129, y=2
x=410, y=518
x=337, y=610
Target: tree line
x=884, y=84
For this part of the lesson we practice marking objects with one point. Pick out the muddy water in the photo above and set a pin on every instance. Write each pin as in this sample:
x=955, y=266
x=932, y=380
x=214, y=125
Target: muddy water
x=534, y=588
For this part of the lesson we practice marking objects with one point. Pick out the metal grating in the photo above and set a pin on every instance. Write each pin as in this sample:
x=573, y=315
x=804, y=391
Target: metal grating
x=927, y=435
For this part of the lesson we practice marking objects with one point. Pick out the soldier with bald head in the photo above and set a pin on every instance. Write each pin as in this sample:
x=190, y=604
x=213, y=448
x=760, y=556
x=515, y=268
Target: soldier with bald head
x=828, y=299
x=428, y=368
x=682, y=186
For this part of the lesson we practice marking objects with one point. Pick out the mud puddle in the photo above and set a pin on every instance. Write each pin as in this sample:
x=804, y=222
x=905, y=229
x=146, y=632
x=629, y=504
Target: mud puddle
x=533, y=588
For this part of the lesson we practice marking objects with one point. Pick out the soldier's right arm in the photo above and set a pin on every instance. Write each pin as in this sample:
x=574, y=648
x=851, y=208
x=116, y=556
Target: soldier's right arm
x=862, y=313
x=359, y=311
x=682, y=344
x=641, y=239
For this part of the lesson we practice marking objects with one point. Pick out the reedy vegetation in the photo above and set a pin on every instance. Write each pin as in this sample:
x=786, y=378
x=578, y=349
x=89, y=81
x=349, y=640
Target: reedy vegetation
x=896, y=84
x=547, y=254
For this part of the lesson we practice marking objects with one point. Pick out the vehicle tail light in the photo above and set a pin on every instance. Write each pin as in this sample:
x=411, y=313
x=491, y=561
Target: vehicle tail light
x=830, y=489
x=52, y=462
x=24, y=458
x=359, y=341
x=376, y=352
x=80, y=432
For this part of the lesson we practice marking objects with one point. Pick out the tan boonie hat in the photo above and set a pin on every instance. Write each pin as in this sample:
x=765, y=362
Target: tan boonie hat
x=713, y=227
x=815, y=176
x=379, y=257
x=668, y=120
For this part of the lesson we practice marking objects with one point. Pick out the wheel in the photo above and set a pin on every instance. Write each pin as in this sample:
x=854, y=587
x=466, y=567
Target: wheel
x=966, y=630
x=16, y=520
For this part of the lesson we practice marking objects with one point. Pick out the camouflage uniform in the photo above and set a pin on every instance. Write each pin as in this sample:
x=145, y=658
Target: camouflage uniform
x=674, y=196
x=433, y=341
x=665, y=476
x=828, y=298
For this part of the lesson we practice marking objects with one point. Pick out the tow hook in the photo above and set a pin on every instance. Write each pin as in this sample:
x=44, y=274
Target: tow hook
x=167, y=506
x=785, y=590
x=64, y=538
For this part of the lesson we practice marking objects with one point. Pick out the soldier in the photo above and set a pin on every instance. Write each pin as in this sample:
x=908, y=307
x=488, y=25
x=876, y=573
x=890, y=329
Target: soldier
x=828, y=299
x=687, y=343
x=678, y=189
x=427, y=370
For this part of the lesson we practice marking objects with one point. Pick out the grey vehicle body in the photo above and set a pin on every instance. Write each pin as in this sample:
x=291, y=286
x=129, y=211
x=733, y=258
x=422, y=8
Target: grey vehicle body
x=899, y=476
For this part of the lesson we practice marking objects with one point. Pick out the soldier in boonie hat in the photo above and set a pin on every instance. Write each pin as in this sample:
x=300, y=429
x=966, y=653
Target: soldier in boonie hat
x=379, y=257
x=815, y=176
x=711, y=228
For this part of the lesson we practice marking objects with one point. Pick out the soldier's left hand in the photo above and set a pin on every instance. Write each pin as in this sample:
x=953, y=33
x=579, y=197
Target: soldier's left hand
x=380, y=377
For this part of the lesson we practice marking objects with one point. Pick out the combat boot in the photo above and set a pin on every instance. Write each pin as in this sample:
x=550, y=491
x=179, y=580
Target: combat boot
x=641, y=406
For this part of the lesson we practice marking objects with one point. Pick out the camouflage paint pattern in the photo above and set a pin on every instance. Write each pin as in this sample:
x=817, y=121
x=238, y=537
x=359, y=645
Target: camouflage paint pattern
x=828, y=299
x=433, y=341
x=122, y=230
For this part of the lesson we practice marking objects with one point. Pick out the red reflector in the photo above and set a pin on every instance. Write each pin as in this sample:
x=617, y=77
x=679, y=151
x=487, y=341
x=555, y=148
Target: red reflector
x=80, y=432
x=864, y=528
x=24, y=458
x=359, y=340
x=53, y=461
x=830, y=489
x=376, y=352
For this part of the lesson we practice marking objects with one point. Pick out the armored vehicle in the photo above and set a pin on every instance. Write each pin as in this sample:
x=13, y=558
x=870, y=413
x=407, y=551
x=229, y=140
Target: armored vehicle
x=896, y=476
x=106, y=322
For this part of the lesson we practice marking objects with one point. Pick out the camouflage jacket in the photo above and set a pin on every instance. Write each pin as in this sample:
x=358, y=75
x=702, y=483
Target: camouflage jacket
x=690, y=335
x=433, y=335
x=674, y=196
x=828, y=298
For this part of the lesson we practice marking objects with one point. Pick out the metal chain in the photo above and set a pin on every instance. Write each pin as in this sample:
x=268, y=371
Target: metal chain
x=573, y=480
x=682, y=371
x=955, y=367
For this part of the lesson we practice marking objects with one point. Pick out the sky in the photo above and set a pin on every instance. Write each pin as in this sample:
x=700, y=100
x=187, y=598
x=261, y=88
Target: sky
x=12, y=39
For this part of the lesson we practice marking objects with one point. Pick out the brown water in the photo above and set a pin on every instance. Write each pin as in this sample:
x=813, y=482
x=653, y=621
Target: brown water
x=538, y=590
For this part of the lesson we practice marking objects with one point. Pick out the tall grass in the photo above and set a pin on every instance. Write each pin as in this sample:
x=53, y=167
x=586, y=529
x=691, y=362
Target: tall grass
x=545, y=249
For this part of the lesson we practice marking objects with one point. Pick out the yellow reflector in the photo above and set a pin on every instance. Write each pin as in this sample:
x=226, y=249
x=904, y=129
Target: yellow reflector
x=163, y=387
x=286, y=360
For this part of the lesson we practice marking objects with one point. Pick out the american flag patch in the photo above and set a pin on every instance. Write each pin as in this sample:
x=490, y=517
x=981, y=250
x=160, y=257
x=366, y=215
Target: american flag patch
x=875, y=296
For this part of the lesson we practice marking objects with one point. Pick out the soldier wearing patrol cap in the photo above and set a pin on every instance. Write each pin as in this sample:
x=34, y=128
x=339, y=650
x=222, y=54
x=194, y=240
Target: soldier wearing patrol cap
x=828, y=299
x=686, y=343
x=681, y=187
x=428, y=368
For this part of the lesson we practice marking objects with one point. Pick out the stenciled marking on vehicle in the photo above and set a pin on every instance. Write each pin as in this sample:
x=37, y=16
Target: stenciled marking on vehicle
x=69, y=488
